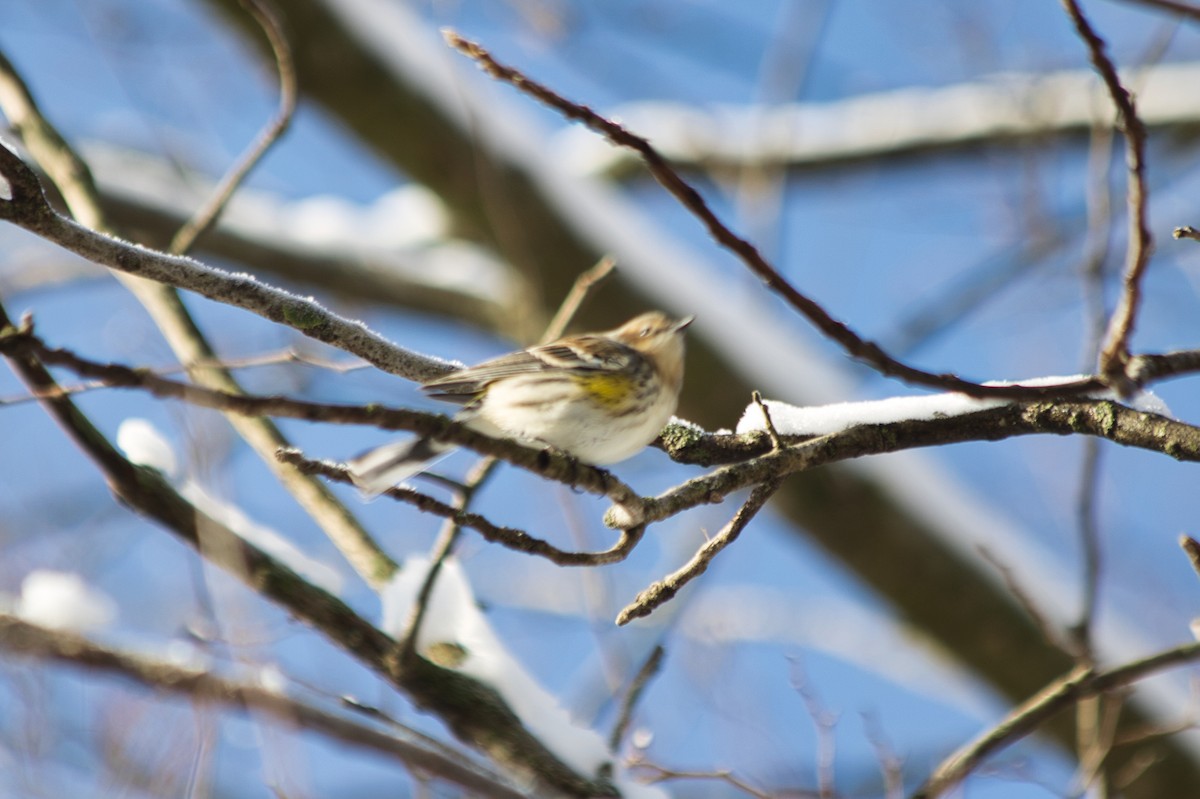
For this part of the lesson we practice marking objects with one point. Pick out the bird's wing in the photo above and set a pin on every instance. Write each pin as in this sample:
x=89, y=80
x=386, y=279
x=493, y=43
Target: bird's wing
x=583, y=352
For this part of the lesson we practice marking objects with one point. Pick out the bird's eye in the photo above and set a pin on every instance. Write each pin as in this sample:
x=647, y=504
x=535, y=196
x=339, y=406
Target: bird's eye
x=644, y=332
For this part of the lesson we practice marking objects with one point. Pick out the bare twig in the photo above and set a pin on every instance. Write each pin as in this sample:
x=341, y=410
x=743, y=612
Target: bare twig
x=206, y=216
x=442, y=549
x=1114, y=356
x=865, y=351
x=201, y=685
x=510, y=537
x=890, y=764
x=1060, y=694
x=655, y=773
x=1186, y=232
x=663, y=590
x=1096, y=251
x=1096, y=723
x=772, y=433
x=582, y=288
x=825, y=725
x=640, y=682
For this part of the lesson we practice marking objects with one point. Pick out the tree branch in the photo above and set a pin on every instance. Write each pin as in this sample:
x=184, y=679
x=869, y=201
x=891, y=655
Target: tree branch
x=29, y=209
x=662, y=591
x=1114, y=356
x=1060, y=694
x=207, y=215
x=200, y=685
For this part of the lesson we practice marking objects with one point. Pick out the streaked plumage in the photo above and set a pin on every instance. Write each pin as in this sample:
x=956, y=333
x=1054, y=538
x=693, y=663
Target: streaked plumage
x=600, y=397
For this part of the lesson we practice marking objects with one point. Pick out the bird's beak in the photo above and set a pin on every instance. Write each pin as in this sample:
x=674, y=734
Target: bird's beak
x=684, y=322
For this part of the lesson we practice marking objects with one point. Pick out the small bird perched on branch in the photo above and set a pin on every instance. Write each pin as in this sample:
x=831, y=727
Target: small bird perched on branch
x=599, y=397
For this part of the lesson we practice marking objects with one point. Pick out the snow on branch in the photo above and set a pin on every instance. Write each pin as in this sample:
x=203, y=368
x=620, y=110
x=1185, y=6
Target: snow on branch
x=1007, y=105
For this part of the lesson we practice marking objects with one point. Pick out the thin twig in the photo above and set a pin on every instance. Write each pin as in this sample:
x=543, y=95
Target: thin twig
x=288, y=355
x=267, y=17
x=1114, y=356
x=1096, y=251
x=866, y=351
x=442, y=549
x=1035, y=614
x=510, y=537
x=890, y=764
x=665, y=589
x=776, y=442
x=655, y=773
x=825, y=724
x=580, y=290
x=637, y=687
x=1056, y=696
x=1186, y=232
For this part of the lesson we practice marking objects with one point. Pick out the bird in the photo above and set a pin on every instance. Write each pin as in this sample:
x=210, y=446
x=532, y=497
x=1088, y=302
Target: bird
x=598, y=397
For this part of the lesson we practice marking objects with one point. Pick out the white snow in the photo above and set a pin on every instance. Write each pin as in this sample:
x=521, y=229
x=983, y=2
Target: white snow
x=454, y=617
x=144, y=445
x=999, y=105
x=63, y=601
x=819, y=420
x=271, y=678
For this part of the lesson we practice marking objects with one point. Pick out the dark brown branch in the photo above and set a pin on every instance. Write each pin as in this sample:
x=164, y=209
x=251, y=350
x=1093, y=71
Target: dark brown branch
x=510, y=537
x=199, y=685
x=1060, y=694
x=866, y=351
x=1114, y=356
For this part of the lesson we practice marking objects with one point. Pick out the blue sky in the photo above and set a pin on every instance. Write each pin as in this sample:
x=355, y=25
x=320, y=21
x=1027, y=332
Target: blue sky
x=873, y=241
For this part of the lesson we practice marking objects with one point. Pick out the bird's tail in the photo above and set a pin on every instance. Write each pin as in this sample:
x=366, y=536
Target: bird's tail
x=377, y=470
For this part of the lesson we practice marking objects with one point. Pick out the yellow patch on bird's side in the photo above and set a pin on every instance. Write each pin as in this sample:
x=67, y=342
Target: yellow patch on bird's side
x=607, y=388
